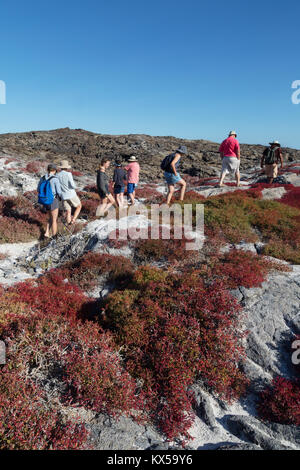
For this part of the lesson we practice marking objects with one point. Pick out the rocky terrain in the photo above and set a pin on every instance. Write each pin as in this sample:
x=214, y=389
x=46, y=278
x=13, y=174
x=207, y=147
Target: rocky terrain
x=85, y=149
x=252, y=246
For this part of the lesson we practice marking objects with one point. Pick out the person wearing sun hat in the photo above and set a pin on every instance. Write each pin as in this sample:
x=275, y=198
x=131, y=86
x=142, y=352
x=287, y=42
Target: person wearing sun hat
x=230, y=156
x=170, y=166
x=133, y=172
x=69, y=196
x=270, y=159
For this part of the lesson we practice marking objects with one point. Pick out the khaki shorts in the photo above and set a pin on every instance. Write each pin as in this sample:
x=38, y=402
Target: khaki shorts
x=271, y=170
x=73, y=202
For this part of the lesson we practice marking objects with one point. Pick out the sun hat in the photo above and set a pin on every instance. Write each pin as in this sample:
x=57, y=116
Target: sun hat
x=275, y=142
x=64, y=164
x=132, y=159
x=232, y=133
x=182, y=149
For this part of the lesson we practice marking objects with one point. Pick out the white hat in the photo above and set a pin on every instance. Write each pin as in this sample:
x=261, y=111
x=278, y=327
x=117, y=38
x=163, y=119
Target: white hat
x=64, y=164
x=275, y=142
x=132, y=159
x=232, y=133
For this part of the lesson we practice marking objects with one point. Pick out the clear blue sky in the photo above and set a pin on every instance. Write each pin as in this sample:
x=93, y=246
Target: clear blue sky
x=191, y=68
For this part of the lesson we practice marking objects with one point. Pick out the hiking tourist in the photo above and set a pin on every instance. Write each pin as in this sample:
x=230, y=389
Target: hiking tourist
x=49, y=193
x=107, y=200
x=230, y=156
x=119, y=180
x=170, y=164
x=270, y=159
x=133, y=172
x=69, y=196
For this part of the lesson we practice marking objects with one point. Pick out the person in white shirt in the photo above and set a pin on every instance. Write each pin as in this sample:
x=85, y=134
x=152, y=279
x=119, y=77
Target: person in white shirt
x=69, y=196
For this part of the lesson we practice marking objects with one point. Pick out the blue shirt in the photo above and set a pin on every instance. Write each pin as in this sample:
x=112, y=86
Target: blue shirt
x=67, y=184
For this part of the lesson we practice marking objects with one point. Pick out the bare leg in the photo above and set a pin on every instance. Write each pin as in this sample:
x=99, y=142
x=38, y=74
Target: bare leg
x=131, y=195
x=182, y=190
x=53, y=223
x=222, y=178
x=170, y=193
x=76, y=213
x=47, y=231
x=237, y=177
x=68, y=216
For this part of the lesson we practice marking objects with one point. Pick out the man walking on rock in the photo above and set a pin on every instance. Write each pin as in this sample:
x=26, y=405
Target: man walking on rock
x=270, y=159
x=69, y=196
x=230, y=156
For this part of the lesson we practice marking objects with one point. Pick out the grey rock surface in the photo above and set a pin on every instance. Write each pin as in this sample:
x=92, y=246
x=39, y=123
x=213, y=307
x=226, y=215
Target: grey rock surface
x=251, y=429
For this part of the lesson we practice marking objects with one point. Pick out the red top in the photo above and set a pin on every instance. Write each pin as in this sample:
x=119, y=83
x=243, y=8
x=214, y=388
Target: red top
x=230, y=147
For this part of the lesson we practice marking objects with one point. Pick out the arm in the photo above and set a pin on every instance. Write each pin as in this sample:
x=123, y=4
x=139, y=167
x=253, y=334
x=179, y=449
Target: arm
x=98, y=181
x=173, y=164
x=280, y=157
x=101, y=183
x=58, y=187
x=238, y=151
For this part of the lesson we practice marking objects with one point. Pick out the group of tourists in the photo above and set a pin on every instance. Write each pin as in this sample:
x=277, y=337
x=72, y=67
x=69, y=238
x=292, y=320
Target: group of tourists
x=58, y=184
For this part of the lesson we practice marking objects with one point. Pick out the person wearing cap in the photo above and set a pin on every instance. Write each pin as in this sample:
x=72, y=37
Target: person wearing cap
x=172, y=176
x=270, y=159
x=69, y=196
x=133, y=172
x=119, y=180
x=57, y=194
x=230, y=156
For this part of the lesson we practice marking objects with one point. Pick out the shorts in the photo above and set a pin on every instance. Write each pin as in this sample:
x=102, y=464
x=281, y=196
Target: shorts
x=119, y=189
x=53, y=206
x=131, y=187
x=73, y=202
x=171, y=178
x=230, y=165
x=103, y=195
x=271, y=171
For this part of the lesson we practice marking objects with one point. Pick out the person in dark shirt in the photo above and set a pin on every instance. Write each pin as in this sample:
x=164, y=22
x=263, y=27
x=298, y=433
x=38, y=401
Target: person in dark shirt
x=107, y=200
x=119, y=180
x=272, y=155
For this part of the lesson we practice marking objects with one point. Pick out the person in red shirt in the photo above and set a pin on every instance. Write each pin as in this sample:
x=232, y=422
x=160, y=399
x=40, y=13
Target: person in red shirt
x=230, y=156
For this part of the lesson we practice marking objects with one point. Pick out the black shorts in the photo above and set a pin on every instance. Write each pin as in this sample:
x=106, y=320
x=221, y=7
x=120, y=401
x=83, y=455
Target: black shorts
x=102, y=195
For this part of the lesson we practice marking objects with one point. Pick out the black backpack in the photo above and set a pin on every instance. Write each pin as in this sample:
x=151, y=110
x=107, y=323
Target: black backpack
x=271, y=156
x=166, y=163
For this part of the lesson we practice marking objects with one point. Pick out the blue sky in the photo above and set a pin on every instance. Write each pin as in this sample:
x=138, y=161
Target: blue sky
x=192, y=69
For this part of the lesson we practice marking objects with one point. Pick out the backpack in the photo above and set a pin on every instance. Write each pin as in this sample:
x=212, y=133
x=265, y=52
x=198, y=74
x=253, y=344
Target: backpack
x=271, y=157
x=45, y=195
x=166, y=163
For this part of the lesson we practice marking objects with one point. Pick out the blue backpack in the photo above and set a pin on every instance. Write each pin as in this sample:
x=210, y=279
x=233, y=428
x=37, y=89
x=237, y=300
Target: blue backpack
x=45, y=195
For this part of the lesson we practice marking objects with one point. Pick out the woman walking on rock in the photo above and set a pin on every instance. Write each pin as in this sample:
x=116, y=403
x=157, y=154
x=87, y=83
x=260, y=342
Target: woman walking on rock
x=107, y=200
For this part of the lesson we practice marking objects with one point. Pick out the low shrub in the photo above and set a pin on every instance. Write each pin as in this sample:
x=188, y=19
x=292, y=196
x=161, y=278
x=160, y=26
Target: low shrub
x=243, y=268
x=28, y=423
x=280, y=402
x=292, y=198
x=174, y=329
x=36, y=167
x=86, y=270
x=50, y=295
